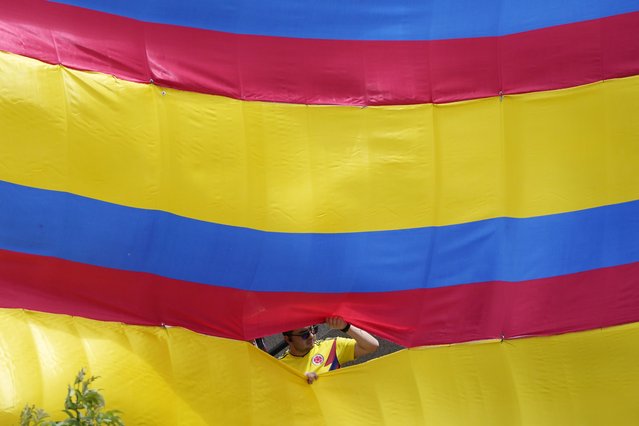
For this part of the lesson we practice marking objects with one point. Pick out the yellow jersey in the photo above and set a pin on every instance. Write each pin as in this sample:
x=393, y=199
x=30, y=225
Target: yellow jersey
x=325, y=355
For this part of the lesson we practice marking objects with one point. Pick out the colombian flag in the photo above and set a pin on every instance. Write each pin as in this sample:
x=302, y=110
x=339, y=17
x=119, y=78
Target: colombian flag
x=436, y=172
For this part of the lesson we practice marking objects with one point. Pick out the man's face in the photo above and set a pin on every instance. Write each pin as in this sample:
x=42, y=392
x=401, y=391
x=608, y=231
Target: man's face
x=301, y=340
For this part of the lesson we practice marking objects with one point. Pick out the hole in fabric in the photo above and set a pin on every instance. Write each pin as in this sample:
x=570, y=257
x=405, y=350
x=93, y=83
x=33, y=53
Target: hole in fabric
x=276, y=346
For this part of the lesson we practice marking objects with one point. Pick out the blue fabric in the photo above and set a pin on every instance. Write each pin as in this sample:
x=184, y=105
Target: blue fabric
x=84, y=230
x=365, y=20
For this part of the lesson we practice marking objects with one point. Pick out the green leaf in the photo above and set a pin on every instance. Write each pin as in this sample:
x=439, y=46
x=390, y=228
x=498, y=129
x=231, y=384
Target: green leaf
x=82, y=405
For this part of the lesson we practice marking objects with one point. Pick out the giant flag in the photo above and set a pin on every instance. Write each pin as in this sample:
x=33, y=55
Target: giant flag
x=435, y=172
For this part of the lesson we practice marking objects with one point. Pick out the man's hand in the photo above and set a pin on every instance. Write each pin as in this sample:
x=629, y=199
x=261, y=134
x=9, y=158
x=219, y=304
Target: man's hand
x=311, y=377
x=364, y=342
x=336, y=323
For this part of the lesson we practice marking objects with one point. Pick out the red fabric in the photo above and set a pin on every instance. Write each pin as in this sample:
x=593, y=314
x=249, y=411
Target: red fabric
x=312, y=71
x=582, y=301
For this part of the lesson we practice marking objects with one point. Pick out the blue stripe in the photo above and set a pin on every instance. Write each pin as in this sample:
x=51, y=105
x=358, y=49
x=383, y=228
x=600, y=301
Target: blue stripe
x=84, y=230
x=365, y=20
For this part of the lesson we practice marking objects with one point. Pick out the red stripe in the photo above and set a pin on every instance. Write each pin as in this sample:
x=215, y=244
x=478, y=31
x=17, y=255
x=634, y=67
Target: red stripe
x=332, y=360
x=587, y=300
x=322, y=71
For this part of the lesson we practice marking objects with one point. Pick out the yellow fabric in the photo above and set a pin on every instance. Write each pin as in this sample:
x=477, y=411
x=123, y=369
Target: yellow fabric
x=175, y=377
x=299, y=168
x=316, y=360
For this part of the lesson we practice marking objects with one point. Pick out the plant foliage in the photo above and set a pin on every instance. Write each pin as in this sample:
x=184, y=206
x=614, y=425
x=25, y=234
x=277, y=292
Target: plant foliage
x=82, y=405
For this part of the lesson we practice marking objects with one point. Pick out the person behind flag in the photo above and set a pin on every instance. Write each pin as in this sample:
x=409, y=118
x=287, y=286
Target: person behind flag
x=313, y=357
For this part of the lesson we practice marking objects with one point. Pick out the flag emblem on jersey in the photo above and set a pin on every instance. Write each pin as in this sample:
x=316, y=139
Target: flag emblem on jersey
x=332, y=358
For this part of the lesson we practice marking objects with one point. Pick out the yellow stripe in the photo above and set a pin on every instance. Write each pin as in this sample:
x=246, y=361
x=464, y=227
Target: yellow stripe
x=175, y=377
x=297, y=168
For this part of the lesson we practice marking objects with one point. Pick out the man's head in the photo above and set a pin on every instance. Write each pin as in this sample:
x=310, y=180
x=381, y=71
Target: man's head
x=300, y=340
